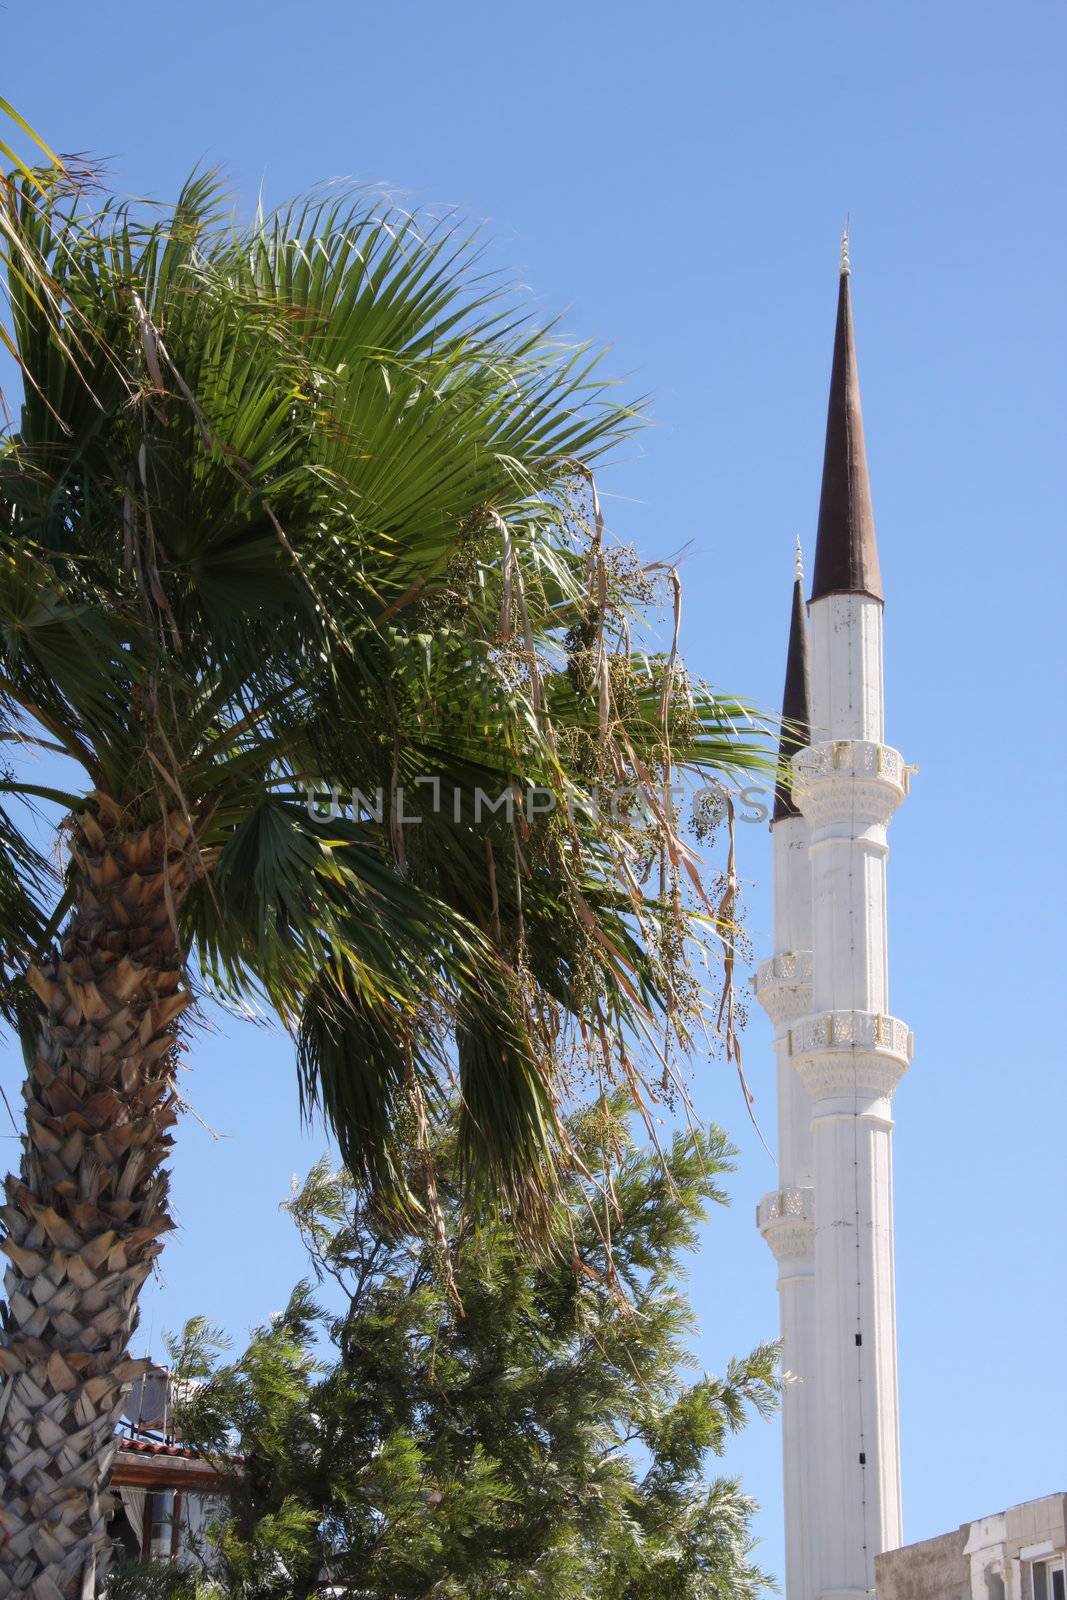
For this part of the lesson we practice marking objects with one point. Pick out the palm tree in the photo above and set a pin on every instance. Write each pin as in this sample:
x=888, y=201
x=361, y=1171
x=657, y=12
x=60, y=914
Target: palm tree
x=301, y=503
x=39, y=181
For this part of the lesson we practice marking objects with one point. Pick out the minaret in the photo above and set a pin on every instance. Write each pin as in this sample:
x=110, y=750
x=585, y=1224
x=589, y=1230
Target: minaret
x=786, y=1217
x=842, y=1478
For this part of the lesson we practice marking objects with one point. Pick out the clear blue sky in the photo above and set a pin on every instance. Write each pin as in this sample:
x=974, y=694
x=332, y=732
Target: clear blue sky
x=674, y=176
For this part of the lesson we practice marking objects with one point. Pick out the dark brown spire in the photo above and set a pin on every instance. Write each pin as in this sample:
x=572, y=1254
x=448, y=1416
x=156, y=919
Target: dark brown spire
x=846, y=554
x=796, y=700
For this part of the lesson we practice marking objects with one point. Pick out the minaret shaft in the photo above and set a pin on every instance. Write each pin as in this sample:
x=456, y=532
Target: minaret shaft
x=847, y=687
x=786, y=1217
x=848, y=864
x=859, y=1511
x=793, y=936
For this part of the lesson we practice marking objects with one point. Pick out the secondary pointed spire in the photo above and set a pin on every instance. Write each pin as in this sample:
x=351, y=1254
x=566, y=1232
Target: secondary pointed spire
x=846, y=552
x=796, y=698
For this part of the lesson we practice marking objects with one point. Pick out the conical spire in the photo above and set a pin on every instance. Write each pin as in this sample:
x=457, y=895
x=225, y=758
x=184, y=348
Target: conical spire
x=796, y=699
x=846, y=554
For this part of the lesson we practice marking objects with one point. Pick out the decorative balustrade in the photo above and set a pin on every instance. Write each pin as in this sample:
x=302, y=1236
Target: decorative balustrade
x=782, y=984
x=786, y=1219
x=851, y=777
x=836, y=1052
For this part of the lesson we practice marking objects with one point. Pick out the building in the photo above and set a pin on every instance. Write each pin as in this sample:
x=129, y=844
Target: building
x=841, y=1051
x=1019, y=1554
x=165, y=1496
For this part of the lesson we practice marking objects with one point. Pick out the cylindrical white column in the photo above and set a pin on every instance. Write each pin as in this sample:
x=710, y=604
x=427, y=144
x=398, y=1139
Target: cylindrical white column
x=789, y=976
x=786, y=1221
x=786, y=1217
x=850, y=943
x=851, y=1080
x=847, y=686
x=850, y=1054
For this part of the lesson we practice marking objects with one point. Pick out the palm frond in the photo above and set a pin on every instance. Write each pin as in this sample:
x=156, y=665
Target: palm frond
x=312, y=501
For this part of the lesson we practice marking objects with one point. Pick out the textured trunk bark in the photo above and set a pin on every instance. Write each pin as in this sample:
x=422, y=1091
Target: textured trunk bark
x=83, y=1219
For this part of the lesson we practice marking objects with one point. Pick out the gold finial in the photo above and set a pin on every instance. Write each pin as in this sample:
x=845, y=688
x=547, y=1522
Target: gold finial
x=799, y=569
x=846, y=267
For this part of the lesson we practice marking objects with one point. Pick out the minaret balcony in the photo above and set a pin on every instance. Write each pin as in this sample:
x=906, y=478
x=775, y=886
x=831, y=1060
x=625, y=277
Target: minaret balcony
x=839, y=1053
x=782, y=984
x=854, y=779
x=786, y=1219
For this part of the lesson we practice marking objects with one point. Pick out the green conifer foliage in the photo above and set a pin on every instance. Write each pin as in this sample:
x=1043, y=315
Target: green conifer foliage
x=481, y=1421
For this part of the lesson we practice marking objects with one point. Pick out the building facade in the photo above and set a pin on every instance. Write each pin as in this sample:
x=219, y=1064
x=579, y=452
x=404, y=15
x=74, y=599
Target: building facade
x=165, y=1497
x=165, y=1500
x=1019, y=1554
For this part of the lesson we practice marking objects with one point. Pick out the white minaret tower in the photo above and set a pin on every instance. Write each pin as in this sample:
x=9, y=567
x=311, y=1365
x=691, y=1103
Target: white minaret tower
x=838, y=1041
x=786, y=1217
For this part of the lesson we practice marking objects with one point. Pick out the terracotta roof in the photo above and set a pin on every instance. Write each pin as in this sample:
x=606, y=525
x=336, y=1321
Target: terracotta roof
x=796, y=702
x=157, y=1447
x=846, y=554
x=154, y=1463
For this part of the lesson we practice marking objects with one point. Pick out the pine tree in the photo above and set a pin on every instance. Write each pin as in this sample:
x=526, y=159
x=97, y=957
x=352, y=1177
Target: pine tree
x=489, y=1422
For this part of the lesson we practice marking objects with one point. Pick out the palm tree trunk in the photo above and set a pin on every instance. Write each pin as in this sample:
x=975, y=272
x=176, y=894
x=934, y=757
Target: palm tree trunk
x=83, y=1219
